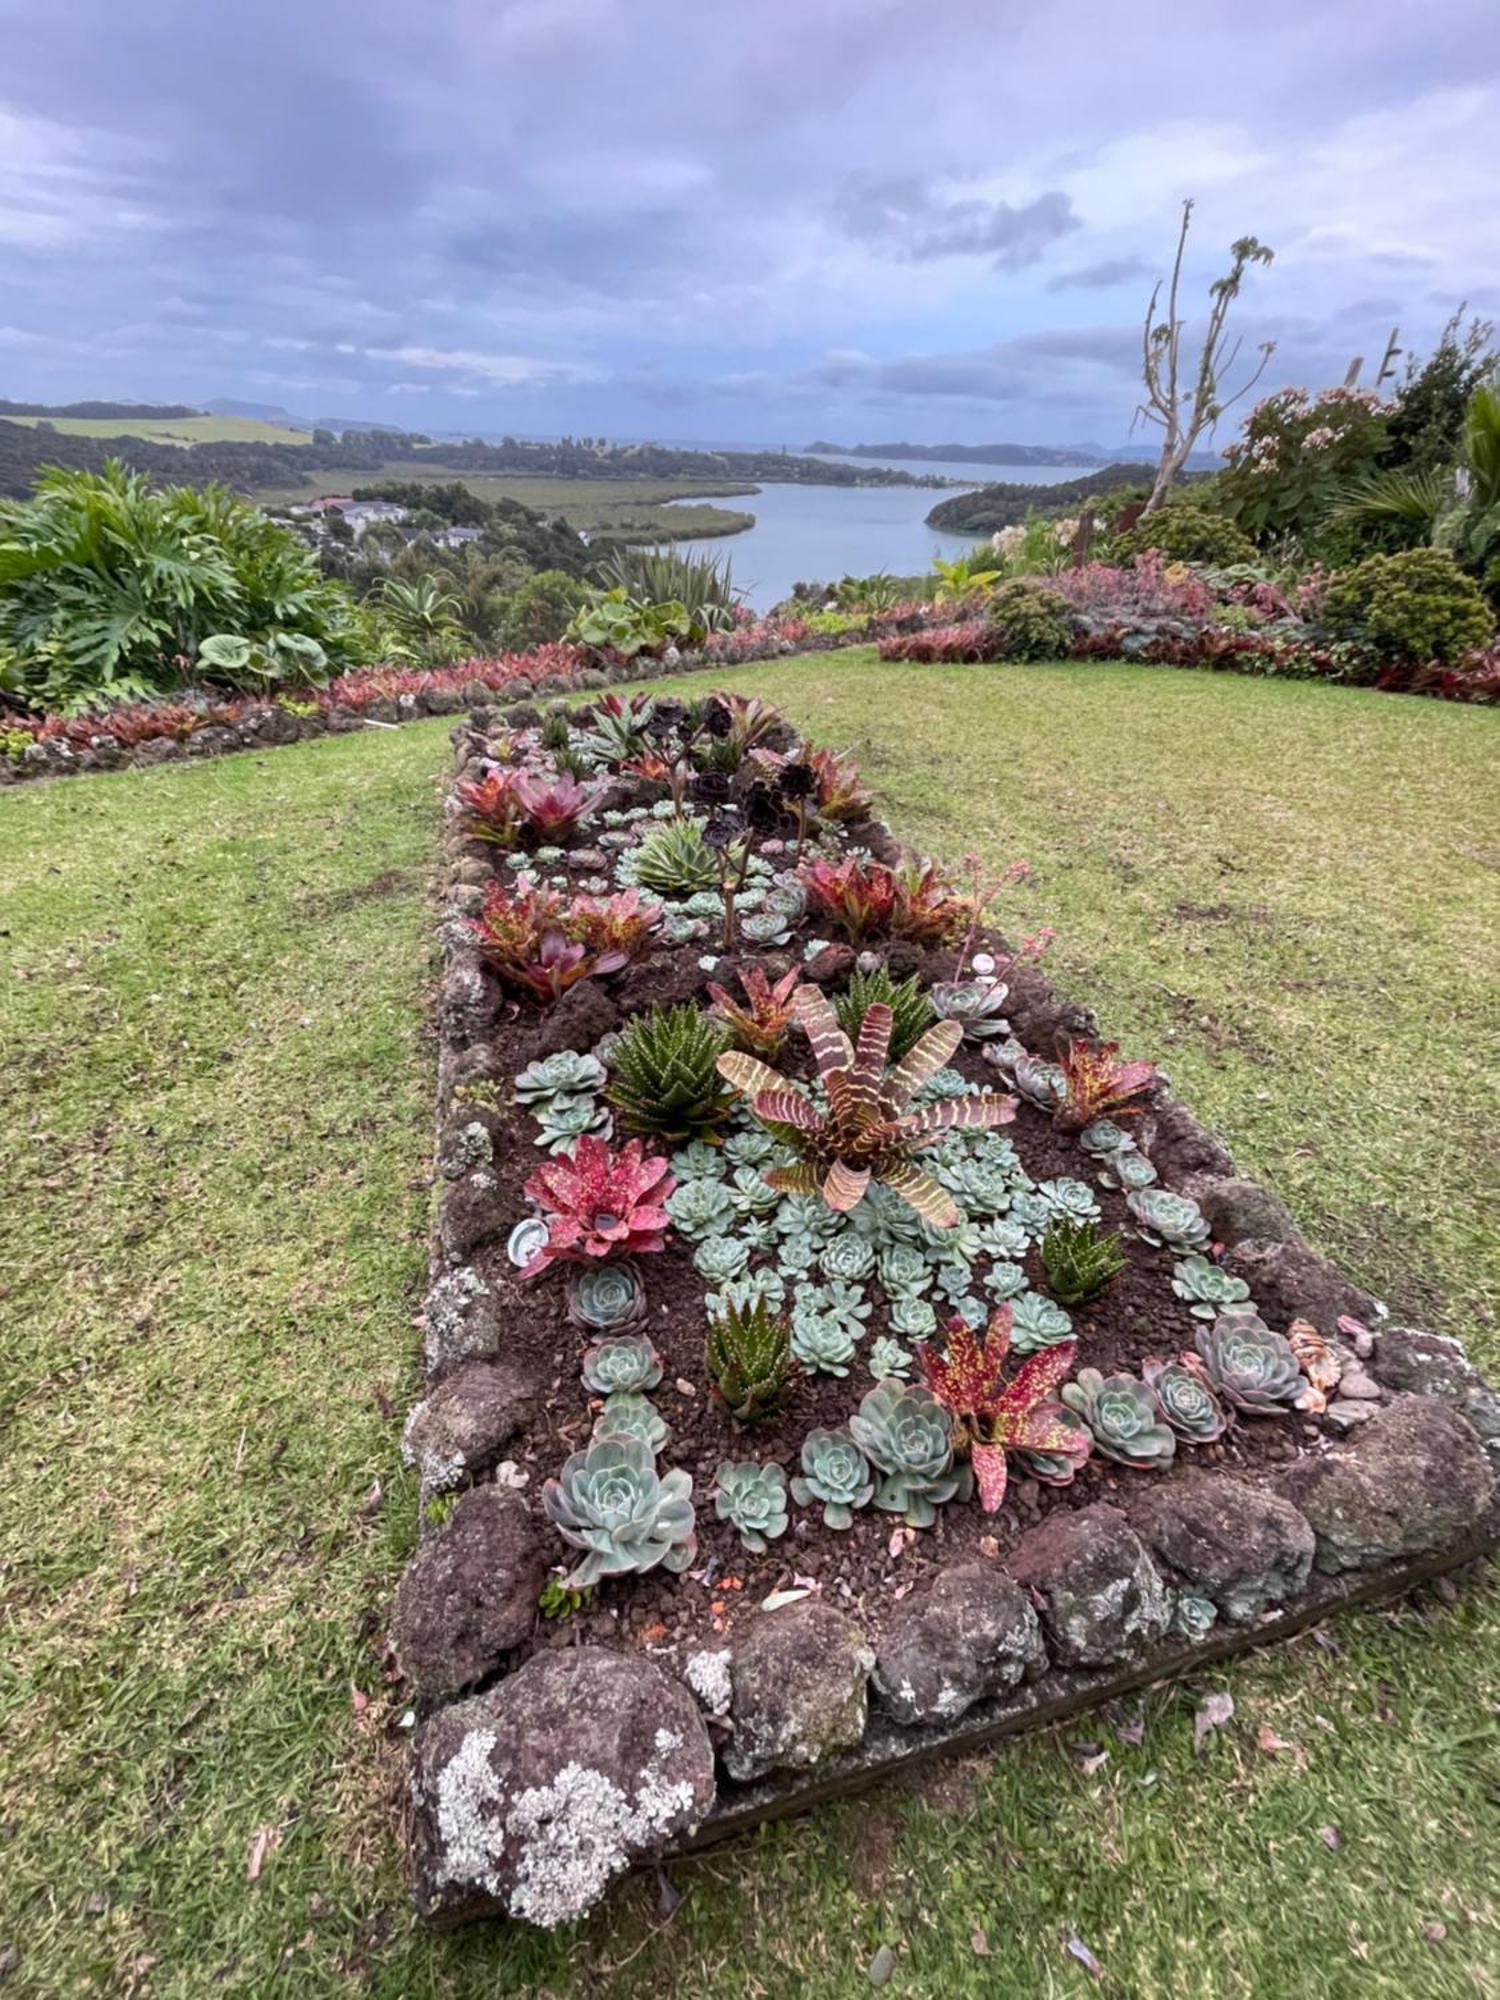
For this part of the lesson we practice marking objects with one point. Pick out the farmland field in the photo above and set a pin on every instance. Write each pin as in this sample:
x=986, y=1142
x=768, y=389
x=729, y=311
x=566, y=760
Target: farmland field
x=173, y=430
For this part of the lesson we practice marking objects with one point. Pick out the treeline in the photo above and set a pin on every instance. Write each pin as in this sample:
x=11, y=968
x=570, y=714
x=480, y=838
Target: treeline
x=990, y=508
x=251, y=467
x=128, y=411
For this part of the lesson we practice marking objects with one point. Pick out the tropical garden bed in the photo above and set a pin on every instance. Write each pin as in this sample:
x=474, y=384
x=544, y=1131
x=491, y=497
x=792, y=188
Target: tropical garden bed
x=832, y=1346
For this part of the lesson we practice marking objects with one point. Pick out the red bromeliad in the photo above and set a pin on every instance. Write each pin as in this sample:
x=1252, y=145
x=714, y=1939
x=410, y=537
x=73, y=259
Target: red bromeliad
x=492, y=807
x=600, y=1204
x=868, y=1133
x=991, y=1418
x=840, y=794
x=554, y=806
x=545, y=942
x=1098, y=1086
x=762, y=1025
x=869, y=899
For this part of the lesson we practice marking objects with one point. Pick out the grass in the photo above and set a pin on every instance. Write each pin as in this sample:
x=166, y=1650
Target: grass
x=175, y=430
x=218, y=1095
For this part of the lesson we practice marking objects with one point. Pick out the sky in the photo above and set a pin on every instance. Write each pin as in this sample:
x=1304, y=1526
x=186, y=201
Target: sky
x=757, y=221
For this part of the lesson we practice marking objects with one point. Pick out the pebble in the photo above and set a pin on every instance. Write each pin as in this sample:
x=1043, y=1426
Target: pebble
x=1345, y=1414
x=1355, y=1383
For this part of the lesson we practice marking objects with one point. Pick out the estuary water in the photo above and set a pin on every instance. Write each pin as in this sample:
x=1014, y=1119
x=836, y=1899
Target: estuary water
x=806, y=533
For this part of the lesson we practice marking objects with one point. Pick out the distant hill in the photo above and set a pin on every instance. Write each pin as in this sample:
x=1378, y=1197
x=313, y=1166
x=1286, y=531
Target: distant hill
x=265, y=413
x=989, y=508
x=964, y=454
x=133, y=412
x=179, y=431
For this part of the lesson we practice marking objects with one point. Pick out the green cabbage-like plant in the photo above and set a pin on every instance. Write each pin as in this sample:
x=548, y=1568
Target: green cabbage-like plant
x=607, y=1297
x=1416, y=606
x=1080, y=1259
x=974, y=1003
x=626, y=1414
x=1171, y=1220
x=907, y=1436
x=610, y=1502
x=675, y=860
x=1006, y=1280
x=868, y=1134
x=1074, y=1201
x=1027, y=621
x=566, y=1074
x=913, y=1316
x=911, y=1011
x=902, y=1269
x=1207, y=1287
x=701, y=1208
x=822, y=1343
x=1128, y=1169
x=836, y=1473
x=1249, y=1365
x=1185, y=1400
x=1123, y=1419
x=749, y=1360
x=664, y=1078
x=752, y=1193
x=1037, y=1322
x=627, y=1365
x=752, y=1498
x=1193, y=1616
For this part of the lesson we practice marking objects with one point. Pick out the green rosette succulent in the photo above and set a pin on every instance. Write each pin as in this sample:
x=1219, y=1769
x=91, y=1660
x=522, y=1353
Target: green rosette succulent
x=796, y=1255
x=1193, y=1616
x=1104, y=1137
x=720, y=1258
x=847, y=1304
x=1127, y=1168
x=752, y=1193
x=1030, y=1211
x=1080, y=1259
x=627, y=1365
x=1069, y=1200
x=902, y=1270
x=562, y=1122
x=607, y=1297
x=942, y=1084
x=566, y=1074
x=836, y=1473
x=664, y=1079
x=750, y=1286
x=700, y=1208
x=1037, y=1321
x=907, y=1436
x=749, y=1360
x=1123, y=1419
x=914, y=1317
x=1172, y=1220
x=808, y=1215
x=752, y=1498
x=750, y=1149
x=1185, y=1400
x=978, y=1186
x=974, y=1003
x=888, y=1357
x=674, y=860
x=847, y=1256
x=699, y=1161
x=1250, y=1366
x=1207, y=1287
x=1043, y=1084
x=629, y=1415
x=822, y=1343
x=610, y=1502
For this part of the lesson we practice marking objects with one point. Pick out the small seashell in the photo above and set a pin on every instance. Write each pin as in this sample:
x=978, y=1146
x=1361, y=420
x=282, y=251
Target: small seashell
x=1314, y=1357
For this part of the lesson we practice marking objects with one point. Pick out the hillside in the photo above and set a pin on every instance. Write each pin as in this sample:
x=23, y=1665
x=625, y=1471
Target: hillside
x=178, y=431
x=989, y=508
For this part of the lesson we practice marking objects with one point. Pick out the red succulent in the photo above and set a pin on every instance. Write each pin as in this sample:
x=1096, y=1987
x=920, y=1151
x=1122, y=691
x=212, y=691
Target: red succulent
x=869, y=899
x=544, y=942
x=600, y=1204
x=762, y=1025
x=554, y=806
x=991, y=1418
x=840, y=794
x=492, y=807
x=1098, y=1086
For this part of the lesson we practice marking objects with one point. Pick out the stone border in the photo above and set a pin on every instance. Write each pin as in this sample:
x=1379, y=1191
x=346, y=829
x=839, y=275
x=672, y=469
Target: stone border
x=532, y=1795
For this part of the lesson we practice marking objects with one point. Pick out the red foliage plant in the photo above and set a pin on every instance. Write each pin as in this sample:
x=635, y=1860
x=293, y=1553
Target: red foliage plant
x=942, y=645
x=544, y=942
x=868, y=900
x=492, y=809
x=761, y=1025
x=840, y=794
x=600, y=1204
x=1098, y=1085
x=991, y=1417
x=555, y=807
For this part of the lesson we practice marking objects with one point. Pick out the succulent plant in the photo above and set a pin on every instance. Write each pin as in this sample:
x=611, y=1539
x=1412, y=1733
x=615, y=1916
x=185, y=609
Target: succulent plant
x=1186, y=1400
x=1005, y=1280
x=1080, y=1259
x=1060, y=1468
x=889, y=1357
x=1094, y=1083
x=752, y=1498
x=974, y=1003
x=720, y=1258
x=943, y=1083
x=902, y=1269
x=1174, y=1220
x=627, y=1414
x=607, y=1297
x=763, y=1020
x=821, y=1343
x=1104, y=1137
x=991, y=1416
x=752, y=1193
x=868, y=1133
x=1037, y=1322
x=1074, y=1201
x=524, y=1241
x=1040, y=1083
x=911, y=1011
x=665, y=1080
x=847, y=1256
x=962, y=1244
x=700, y=1161
x=1029, y=1211
x=836, y=1472
x=808, y=1215
x=953, y=1280
x=1249, y=1365
x=566, y=1074
x=907, y=1435
x=914, y=1317
x=1207, y=1287
x=1127, y=1168
x=701, y=1208
x=750, y=1149
x=1004, y=1238
x=847, y=1304
x=675, y=860
x=765, y=1283
x=1123, y=1419
x=562, y=1122
x=610, y=1502
x=601, y=1204
x=1193, y=1616
x=750, y=1361
x=627, y=1364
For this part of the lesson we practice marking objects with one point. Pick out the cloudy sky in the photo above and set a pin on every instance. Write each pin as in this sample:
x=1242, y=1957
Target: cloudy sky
x=745, y=220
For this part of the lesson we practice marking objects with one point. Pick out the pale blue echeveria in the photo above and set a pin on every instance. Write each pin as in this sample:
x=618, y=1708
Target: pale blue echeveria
x=750, y=1149
x=847, y=1304
x=902, y=1269
x=1005, y=1280
x=610, y=1502
x=943, y=1083
x=1174, y=1221
x=1127, y=1168
x=1069, y=1200
x=907, y=1436
x=607, y=1296
x=836, y=1472
x=700, y=1208
x=562, y=1122
x=627, y=1363
x=566, y=1074
x=953, y=1280
x=847, y=1256
x=720, y=1258
x=1207, y=1287
x=972, y=1311
x=627, y=1414
x=808, y=1215
x=913, y=1317
x=1037, y=1321
x=796, y=1255
x=752, y=1498
x=822, y=1343
x=753, y=1195
x=1031, y=1210
x=888, y=1357
x=1004, y=1239
x=765, y=1283
x=699, y=1161
x=1104, y=1137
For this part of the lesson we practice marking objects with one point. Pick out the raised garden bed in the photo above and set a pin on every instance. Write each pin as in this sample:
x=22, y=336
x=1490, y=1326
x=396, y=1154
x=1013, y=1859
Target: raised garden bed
x=734, y=1496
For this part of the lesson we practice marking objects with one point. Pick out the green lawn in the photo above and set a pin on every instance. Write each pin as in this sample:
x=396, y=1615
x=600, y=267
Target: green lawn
x=215, y=1158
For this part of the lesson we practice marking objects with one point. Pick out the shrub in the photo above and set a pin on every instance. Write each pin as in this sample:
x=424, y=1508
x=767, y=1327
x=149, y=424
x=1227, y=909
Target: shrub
x=1027, y=621
x=941, y=645
x=1416, y=605
x=1288, y=470
x=1185, y=533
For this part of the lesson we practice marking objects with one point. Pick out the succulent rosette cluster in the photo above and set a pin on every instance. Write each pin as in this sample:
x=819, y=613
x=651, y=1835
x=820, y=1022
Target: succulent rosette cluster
x=611, y=1503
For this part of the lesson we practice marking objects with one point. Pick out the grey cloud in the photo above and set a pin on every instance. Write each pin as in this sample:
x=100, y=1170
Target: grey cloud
x=908, y=217
x=1100, y=277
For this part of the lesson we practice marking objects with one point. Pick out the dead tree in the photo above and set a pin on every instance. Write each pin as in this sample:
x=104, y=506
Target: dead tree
x=1186, y=412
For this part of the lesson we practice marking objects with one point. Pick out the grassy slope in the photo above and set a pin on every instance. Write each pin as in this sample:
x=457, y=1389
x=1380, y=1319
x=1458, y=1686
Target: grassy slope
x=218, y=1105
x=175, y=430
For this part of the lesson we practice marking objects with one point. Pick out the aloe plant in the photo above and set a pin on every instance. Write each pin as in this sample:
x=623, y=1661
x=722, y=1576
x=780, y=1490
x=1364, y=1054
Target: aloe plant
x=911, y=1011
x=907, y=1435
x=1123, y=1419
x=752, y=1498
x=627, y=1364
x=610, y=1502
x=835, y=1472
x=1080, y=1259
x=664, y=1079
x=750, y=1361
